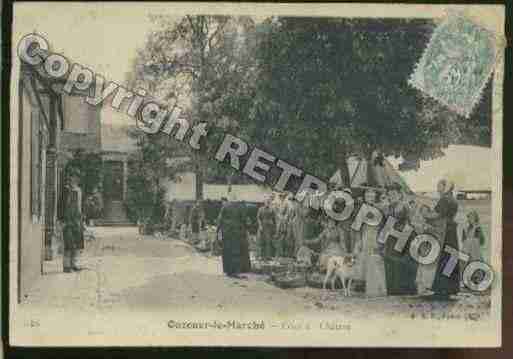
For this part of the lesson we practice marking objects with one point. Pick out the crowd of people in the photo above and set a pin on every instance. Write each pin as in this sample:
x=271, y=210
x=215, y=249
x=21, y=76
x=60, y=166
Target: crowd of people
x=286, y=225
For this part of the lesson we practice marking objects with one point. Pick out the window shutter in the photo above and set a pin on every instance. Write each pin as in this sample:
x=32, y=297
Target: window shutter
x=35, y=162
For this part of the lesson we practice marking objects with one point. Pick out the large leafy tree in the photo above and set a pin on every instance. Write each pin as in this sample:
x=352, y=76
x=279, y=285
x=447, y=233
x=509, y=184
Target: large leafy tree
x=328, y=88
x=311, y=91
x=149, y=166
x=190, y=64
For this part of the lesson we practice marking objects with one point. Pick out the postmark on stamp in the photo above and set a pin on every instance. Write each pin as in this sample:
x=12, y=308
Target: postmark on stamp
x=456, y=64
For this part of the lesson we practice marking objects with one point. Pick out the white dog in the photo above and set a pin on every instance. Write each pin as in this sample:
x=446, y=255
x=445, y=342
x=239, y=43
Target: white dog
x=343, y=268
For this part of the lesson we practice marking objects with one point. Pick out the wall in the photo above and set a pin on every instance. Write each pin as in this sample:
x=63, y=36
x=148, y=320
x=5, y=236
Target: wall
x=184, y=190
x=82, y=126
x=31, y=229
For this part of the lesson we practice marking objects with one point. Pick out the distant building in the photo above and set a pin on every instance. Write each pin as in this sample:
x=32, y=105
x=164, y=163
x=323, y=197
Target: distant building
x=184, y=189
x=115, y=174
x=117, y=150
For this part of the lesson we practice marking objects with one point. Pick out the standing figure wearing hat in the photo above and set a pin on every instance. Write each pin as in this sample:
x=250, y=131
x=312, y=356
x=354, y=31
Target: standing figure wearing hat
x=400, y=267
x=233, y=231
x=291, y=220
x=266, y=230
x=197, y=221
x=444, y=213
x=73, y=230
x=281, y=224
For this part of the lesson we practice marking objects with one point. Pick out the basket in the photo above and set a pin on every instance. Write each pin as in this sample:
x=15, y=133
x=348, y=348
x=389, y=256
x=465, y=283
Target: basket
x=202, y=247
x=316, y=279
x=261, y=267
x=290, y=280
x=284, y=261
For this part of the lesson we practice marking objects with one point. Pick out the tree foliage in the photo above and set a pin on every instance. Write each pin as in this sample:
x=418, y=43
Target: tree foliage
x=190, y=64
x=311, y=91
x=145, y=195
x=328, y=88
x=149, y=168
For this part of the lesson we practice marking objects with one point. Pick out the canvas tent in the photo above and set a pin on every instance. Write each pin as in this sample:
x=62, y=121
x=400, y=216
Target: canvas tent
x=378, y=173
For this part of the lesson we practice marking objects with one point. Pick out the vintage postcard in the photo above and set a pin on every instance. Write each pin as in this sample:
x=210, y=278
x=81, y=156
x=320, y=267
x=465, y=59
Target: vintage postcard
x=235, y=174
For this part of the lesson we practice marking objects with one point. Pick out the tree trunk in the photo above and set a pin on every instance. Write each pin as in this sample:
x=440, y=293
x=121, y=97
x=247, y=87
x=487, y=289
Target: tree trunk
x=229, y=180
x=198, y=86
x=156, y=191
x=199, y=180
x=342, y=165
x=371, y=176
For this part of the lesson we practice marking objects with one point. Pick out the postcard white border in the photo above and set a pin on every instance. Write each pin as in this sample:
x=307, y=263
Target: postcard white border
x=150, y=329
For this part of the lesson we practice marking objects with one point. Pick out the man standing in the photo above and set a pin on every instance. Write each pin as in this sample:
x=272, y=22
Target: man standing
x=73, y=233
x=290, y=218
x=281, y=223
x=196, y=220
x=266, y=230
x=232, y=224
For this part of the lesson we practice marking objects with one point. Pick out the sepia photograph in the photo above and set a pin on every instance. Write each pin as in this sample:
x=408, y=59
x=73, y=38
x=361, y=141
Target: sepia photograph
x=242, y=174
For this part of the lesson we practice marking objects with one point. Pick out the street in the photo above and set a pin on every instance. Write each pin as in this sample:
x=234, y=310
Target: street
x=123, y=270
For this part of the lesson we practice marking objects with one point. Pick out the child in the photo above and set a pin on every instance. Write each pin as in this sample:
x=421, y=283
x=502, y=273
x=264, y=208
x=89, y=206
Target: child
x=183, y=232
x=473, y=237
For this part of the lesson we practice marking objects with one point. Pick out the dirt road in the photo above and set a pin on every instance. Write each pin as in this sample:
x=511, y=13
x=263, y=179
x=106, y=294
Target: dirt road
x=123, y=270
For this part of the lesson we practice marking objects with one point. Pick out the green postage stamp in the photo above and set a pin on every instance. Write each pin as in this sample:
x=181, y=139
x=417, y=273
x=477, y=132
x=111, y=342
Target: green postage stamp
x=457, y=64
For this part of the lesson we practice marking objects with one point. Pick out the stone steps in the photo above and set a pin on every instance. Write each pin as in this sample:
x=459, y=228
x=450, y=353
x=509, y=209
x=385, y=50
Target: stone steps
x=114, y=215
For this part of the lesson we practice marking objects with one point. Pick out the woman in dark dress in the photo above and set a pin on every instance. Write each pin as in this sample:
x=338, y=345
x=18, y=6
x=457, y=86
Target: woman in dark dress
x=445, y=210
x=232, y=225
x=245, y=260
x=266, y=230
x=400, y=268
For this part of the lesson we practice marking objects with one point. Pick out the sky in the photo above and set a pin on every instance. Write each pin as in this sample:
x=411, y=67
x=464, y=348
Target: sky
x=469, y=167
x=101, y=39
x=104, y=40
